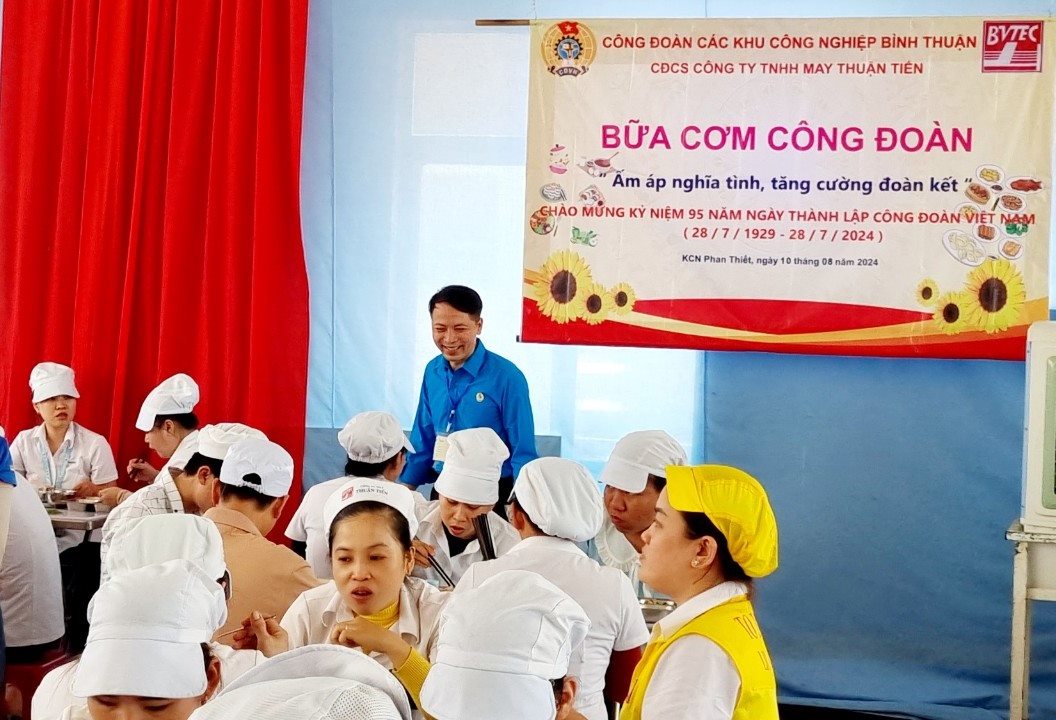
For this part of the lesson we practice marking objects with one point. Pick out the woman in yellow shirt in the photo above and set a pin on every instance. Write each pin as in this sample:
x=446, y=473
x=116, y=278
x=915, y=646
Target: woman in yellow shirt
x=714, y=533
x=372, y=603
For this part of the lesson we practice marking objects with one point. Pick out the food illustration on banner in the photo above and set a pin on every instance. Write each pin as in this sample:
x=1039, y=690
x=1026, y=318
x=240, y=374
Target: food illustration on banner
x=584, y=237
x=553, y=192
x=591, y=197
x=599, y=167
x=542, y=222
x=558, y=159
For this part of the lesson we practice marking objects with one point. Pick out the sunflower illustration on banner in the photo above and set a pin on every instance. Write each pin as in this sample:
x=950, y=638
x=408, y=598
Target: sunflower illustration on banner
x=992, y=300
x=565, y=291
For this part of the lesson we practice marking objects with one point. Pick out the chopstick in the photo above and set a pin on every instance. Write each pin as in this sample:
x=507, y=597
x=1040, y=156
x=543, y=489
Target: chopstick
x=232, y=632
x=487, y=544
x=440, y=571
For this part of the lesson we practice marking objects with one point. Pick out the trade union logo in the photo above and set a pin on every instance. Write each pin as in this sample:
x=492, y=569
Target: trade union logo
x=569, y=48
x=1012, y=45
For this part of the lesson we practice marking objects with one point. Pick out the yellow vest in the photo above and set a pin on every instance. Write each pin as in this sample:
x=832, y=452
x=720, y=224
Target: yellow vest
x=732, y=627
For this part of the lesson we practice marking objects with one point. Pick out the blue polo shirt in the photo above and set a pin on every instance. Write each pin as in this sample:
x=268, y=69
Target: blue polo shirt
x=7, y=475
x=487, y=391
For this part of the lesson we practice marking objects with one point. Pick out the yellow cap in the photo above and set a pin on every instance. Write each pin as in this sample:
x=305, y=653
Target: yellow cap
x=737, y=504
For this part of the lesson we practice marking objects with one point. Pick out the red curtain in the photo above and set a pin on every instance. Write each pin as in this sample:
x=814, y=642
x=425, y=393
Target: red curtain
x=149, y=209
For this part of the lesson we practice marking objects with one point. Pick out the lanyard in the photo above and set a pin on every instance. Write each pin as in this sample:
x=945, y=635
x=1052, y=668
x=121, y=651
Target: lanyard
x=56, y=480
x=454, y=397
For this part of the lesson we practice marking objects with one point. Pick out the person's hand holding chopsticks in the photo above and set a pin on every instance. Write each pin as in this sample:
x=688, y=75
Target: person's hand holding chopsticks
x=262, y=633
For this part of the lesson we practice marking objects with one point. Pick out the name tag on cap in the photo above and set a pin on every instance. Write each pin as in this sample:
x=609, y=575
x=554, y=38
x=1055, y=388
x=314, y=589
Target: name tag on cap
x=440, y=448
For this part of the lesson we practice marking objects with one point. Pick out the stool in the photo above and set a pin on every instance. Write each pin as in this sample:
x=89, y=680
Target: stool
x=1033, y=580
x=25, y=677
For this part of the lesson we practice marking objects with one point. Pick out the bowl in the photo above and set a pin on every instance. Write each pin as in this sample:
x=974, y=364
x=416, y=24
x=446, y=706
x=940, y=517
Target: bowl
x=51, y=497
x=654, y=609
x=88, y=505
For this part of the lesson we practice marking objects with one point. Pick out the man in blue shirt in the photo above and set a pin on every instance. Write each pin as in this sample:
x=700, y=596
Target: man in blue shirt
x=467, y=386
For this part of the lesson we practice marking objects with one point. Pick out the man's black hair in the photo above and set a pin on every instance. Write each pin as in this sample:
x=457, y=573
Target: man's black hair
x=461, y=298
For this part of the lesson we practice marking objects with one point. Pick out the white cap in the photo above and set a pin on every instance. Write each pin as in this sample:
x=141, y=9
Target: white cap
x=260, y=465
x=637, y=456
x=315, y=698
x=373, y=437
x=473, y=466
x=174, y=396
x=315, y=681
x=155, y=539
x=493, y=653
x=48, y=380
x=561, y=498
x=146, y=629
x=368, y=489
x=215, y=440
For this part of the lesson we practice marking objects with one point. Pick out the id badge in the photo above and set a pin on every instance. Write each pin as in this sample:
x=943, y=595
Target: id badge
x=440, y=448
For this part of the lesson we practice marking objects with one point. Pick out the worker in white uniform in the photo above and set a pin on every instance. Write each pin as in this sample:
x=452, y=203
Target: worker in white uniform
x=714, y=533
x=167, y=417
x=555, y=505
x=322, y=682
x=30, y=585
x=148, y=541
x=504, y=652
x=373, y=602
x=205, y=465
x=60, y=454
x=468, y=487
x=376, y=448
x=253, y=489
x=633, y=478
x=30, y=581
x=147, y=653
x=172, y=492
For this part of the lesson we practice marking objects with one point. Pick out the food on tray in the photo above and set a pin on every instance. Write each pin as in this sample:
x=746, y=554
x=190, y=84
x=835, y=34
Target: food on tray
x=1011, y=249
x=964, y=247
x=977, y=193
x=990, y=175
x=987, y=232
x=541, y=222
x=1026, y=185
x=1011, y=202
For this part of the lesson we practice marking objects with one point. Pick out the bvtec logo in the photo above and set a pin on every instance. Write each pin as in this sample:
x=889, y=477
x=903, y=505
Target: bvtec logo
x=1012, y=46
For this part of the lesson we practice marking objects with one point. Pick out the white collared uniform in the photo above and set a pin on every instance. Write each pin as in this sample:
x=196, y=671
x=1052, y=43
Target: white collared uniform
x=605, y=594
x=314, y=614
x=184, y=451
x=431, y=531
x=161, y=498
x=82, y=454
x=30, y=581
x=612, y=549
x=694, y=678
x=306, y=525
x=54, y=695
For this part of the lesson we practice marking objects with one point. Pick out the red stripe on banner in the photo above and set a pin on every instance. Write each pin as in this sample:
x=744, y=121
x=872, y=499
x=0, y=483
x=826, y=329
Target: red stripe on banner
x=538, y=328
x=778, y=317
